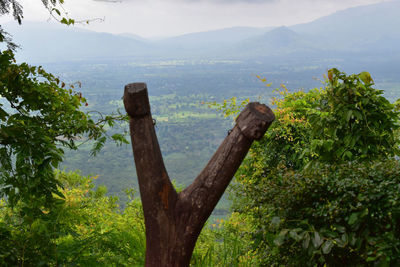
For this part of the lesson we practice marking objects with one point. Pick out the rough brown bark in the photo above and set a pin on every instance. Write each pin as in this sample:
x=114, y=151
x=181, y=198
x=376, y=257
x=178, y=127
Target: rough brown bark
x=174, y=221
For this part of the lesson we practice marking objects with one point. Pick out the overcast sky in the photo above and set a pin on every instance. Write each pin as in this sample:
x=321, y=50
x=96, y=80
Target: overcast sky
x=151, y=18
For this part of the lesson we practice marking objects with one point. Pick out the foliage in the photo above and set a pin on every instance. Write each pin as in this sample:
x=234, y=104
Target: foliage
x=223, y=244
x=346, y=120
x=353, y=120
x=344, y=214
x=39, y=116
x=229, y=107
x=291, y=132
x=320, y=187
x=87, y=228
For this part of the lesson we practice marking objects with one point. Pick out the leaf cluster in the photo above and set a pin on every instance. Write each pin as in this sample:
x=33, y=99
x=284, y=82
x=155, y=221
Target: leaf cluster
x=321, y=187
x=85, y=228
x=344, y=214
x=39, y=116
x=353, y=120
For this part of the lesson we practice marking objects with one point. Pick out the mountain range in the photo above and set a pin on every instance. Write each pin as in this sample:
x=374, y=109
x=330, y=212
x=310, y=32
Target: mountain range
x=372, y=31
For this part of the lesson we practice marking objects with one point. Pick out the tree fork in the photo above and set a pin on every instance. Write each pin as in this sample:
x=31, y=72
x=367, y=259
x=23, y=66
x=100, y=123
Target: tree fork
x=174, y=221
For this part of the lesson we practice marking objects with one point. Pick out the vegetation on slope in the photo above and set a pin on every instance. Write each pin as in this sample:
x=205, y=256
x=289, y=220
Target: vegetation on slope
x=84, y=228
x=322, y=185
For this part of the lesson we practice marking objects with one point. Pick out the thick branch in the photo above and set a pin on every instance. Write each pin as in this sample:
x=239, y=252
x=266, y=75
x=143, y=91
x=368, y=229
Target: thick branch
x=204, y=193
x=156, y=191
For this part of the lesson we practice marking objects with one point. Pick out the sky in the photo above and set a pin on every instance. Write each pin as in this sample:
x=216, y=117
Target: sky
x=161, y=18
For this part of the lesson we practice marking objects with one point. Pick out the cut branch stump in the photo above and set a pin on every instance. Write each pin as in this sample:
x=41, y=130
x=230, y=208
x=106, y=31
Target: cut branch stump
x=174, y=221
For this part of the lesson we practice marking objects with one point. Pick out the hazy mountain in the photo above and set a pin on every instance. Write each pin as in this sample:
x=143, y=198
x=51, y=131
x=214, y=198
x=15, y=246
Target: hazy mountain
x=368, y=27
x=47, y=42
x=372, y=30
x=134, y=37
x=220, y=37
x=205, y=44
x=277, y=42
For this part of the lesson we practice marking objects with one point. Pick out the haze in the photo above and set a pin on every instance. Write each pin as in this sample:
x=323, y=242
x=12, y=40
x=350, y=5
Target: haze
x=155, y=18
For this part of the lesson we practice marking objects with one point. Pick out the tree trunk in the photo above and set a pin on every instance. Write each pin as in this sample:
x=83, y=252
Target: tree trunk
x=173, y=221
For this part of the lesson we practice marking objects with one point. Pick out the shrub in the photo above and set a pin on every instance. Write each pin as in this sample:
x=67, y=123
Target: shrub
x=346, y=214
x=321, y=186
x=86, y=228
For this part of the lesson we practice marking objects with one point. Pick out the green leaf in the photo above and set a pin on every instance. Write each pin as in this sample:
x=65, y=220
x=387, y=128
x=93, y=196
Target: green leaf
x=327, y=246
x=340, y=228
x=275, y=221
x=358, y=115
x=280, y=239
x=339, y=242
x=57, y=11
x=3, y=114
x=98, y=145
x=353, y=218
x=366, y=78
x=58, y=193
x=306, y=241
x=345, y=238
x=349, y=115
x=293, y=234
x=348, y=155
x=364, y=213
x=317, y=240
x=119, y=139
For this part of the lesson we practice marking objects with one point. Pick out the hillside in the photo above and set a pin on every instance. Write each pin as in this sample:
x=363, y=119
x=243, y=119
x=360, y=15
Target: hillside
x=372, y=30
x=42, y=42
x=364, y=28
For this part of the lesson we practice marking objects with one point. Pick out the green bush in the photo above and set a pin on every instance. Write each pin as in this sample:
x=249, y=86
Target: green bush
x=86, y=228
x=346, y=214
x=353, y=120
x=321, y=186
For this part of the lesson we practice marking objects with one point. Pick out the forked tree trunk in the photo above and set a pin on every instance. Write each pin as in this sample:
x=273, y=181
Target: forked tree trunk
x=173, y=221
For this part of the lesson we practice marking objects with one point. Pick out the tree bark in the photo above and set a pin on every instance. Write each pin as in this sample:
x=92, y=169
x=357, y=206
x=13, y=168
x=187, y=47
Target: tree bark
x=174, y=221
